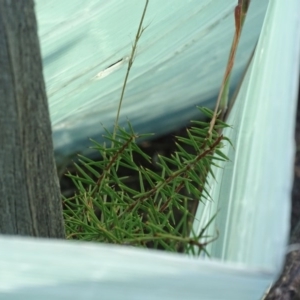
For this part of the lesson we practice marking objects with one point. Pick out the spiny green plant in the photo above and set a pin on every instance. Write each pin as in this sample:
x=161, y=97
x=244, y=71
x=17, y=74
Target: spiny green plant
x=158, y=213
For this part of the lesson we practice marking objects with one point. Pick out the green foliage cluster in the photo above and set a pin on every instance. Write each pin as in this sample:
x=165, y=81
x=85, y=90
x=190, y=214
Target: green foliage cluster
x=158, y=213
x=107, y=210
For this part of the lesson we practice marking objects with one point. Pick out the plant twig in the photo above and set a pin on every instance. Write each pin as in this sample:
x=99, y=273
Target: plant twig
x=221, y=105
x=176, y=174
x=131, y=59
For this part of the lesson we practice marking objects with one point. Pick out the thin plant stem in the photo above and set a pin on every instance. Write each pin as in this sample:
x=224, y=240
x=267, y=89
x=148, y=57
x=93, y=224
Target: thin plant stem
x=221, y=105
x=130, y=63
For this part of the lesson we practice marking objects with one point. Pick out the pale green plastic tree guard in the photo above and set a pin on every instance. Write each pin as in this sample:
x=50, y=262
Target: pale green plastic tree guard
x=179, y=63
x=252, y=192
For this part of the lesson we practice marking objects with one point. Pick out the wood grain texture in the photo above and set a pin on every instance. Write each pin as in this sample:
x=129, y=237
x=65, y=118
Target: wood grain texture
x=30, y=201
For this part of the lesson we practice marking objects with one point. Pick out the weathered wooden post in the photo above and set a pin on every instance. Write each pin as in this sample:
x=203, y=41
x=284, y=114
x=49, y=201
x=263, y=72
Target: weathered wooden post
x=30, y=202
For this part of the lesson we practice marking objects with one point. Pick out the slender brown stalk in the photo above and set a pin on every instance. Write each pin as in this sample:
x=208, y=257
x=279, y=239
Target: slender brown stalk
x=221, y=105
x=130, y=63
